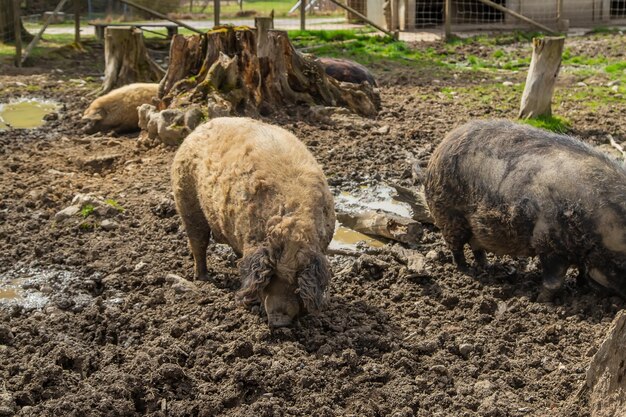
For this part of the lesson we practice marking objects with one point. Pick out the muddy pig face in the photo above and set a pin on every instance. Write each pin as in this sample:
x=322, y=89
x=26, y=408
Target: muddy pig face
x=288, y=282
x=281, y=302
x=93, y=120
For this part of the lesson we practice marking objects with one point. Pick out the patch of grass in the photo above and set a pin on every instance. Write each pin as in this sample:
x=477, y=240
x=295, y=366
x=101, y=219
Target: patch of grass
x=552, y=123
x=617, y=67
x=87, y=210
x=117, y=206
x=605, y=29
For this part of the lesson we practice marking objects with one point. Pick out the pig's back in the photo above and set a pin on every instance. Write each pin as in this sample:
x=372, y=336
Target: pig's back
x=513, y=183
x=249, y=172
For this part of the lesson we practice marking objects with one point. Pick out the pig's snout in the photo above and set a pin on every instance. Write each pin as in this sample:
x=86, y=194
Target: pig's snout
x=90, y=126
x=281, y=303
x=279, y=320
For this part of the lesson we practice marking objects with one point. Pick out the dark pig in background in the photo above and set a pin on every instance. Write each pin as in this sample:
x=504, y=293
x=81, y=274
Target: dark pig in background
x=347, y=71
x=516, y=190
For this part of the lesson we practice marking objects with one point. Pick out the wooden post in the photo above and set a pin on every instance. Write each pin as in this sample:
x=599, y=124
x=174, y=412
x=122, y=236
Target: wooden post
x=447, y=18
x=395, y=20
x=302, y=14
x=216, y=12
x=18, y=32
x=77, y=21
x=126, y=59
x=544, y=68
x=263, y=26
x=561, y=24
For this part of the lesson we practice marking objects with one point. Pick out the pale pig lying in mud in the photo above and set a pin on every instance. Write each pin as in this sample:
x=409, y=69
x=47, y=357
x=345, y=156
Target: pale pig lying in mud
x=516, y=190
x=117, y=110
x=257, y=188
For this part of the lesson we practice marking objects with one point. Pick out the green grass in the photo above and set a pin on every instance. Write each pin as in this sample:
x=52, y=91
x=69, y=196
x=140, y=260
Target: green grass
x=616, y=68
x=87, y=210
x=552, y=123
x=117, y=206
x=47, y=45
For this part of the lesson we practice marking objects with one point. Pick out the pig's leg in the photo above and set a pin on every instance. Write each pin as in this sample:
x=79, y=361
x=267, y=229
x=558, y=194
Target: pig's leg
x=480, y=257
x=197, y=228
x=457, y=233
x=554, y=269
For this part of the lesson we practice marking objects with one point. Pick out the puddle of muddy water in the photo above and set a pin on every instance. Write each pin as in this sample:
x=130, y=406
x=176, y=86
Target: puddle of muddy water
x=345, y=238
x=10, y=291
x=20, y=286
x=25, y=113
x=377, y=197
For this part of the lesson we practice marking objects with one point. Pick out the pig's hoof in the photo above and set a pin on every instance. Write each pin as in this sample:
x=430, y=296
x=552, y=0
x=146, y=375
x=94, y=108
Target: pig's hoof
x=202, y=277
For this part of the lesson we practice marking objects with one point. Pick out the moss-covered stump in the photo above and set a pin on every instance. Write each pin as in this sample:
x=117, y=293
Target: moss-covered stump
x=220, y=73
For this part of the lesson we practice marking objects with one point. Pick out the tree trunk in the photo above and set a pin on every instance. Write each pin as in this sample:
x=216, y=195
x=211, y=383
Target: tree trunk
x=7, y=26
x=416, y=199
x=220, y=73
x=544, y=68
x=606, y=376
x=126, y=59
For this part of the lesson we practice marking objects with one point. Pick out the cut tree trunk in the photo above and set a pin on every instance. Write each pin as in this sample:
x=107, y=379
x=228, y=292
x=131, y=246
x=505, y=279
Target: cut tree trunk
x=381, y=224
x=544, y=68
x=7, y=25
x=262, y=25
x=416, y=199
x=126, y=59
x=606, y=376
x=220, y=73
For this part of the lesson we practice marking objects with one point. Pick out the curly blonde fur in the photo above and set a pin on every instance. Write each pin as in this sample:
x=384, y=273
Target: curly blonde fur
x=257, y=188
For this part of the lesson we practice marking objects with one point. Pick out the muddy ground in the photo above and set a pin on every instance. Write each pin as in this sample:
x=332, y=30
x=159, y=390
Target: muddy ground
x=117, y=332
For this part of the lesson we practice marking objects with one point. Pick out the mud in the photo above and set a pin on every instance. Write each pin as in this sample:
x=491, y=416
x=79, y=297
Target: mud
x=122, y=332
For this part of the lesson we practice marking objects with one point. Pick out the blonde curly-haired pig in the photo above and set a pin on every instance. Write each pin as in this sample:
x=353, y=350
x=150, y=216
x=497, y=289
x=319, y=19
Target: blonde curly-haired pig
x=117, y=110
x=257, y=188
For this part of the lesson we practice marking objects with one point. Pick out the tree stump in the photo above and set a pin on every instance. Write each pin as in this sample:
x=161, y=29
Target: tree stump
x=544, y=68
x=220, y=73
x=606, y=376
x=126, y=59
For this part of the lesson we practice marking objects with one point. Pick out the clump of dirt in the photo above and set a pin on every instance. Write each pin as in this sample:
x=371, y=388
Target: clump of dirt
x=124, y=333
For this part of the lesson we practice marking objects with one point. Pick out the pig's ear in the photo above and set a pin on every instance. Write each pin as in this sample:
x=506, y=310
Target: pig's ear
x=256, y=270
x=95, y=115
x=312, y=282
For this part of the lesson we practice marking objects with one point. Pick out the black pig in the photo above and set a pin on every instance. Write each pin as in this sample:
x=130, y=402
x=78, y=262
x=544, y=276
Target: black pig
x=516, y=190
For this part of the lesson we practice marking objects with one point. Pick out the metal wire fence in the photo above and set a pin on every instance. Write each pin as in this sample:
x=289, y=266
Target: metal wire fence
x=472, y=14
